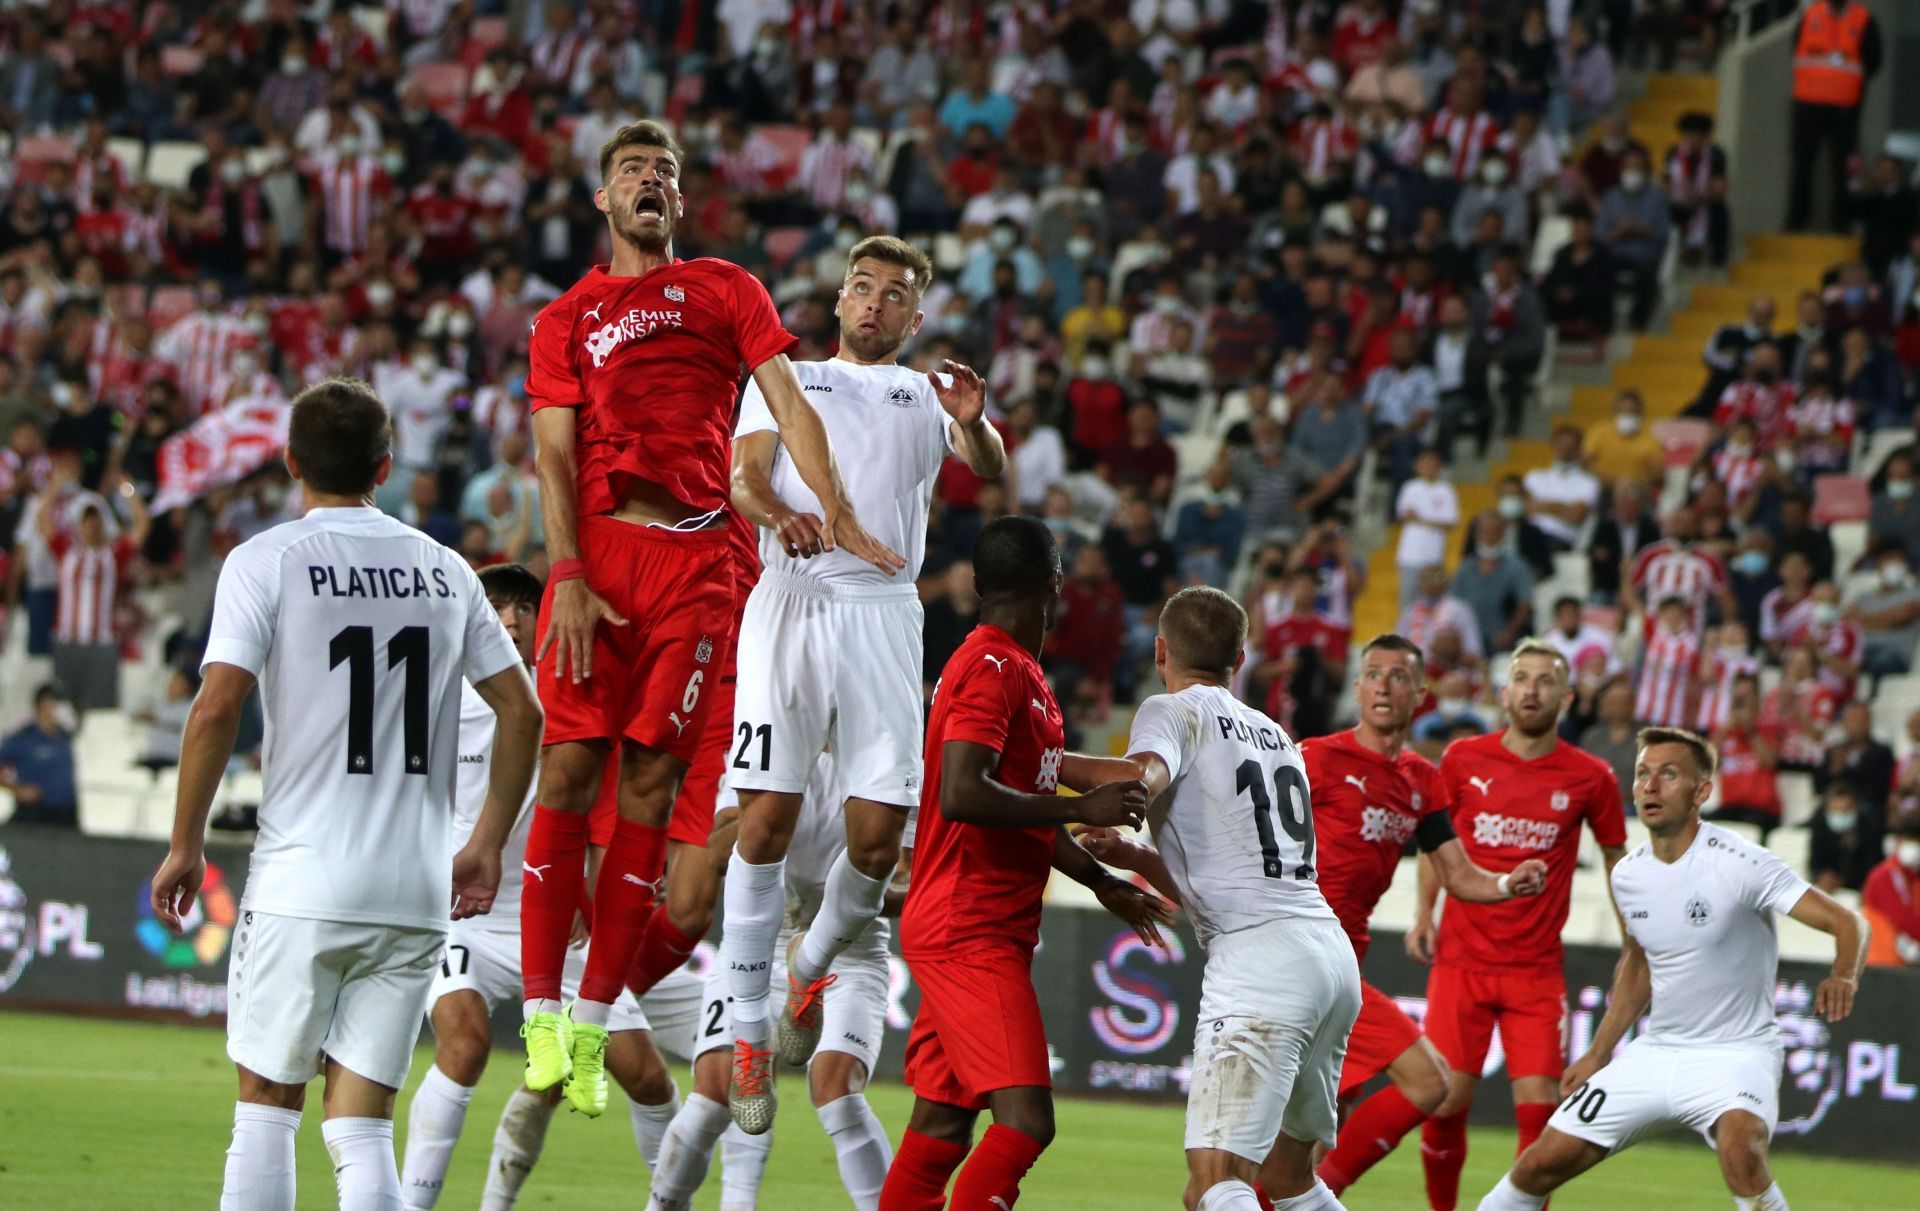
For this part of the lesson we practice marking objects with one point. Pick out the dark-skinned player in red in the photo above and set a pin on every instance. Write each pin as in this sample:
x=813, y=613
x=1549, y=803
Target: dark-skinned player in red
x=633, y=380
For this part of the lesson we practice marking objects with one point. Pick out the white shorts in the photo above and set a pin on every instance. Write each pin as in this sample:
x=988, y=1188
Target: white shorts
x=855, y=1018
x=818, y=664
x=479, y=958
x=1649, y=1085
x=300, y=989
x=1276, y=1004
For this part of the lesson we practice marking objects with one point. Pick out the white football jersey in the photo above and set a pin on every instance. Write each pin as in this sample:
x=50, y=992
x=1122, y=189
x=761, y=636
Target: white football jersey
x=1235, y=824
x=471, y=775
x=359, y=630
x=1706, y=923
x=890, y=436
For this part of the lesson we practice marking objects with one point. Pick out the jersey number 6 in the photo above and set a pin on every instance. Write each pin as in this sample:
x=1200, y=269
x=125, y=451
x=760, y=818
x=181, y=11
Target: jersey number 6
x=1288, y=801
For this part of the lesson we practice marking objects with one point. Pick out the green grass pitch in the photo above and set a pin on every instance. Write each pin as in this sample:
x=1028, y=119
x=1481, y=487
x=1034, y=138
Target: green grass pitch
x=115, y=1116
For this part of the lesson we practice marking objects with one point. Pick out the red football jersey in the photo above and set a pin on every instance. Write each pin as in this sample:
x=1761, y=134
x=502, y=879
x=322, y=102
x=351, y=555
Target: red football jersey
x=652, y=363
x=1365, y=808
x=975, y=886
x=1505, y=811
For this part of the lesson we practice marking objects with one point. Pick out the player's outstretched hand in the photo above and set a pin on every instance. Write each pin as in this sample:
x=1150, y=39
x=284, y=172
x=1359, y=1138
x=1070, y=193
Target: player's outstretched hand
x=476, y=878
x=965, y=398
x=843, y=529
x=1834, y=998
x=1107, y=845
x=175, y=885
x=800, y=536
x=1527, y=879
x=1114, y=805
x=1580, y=1072
x=1419, y=940
x=577, y=613
x=1140, y=909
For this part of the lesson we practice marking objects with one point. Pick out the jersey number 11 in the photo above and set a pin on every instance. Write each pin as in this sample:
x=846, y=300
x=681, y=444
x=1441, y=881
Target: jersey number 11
x=353, y=646
x=1289, y=802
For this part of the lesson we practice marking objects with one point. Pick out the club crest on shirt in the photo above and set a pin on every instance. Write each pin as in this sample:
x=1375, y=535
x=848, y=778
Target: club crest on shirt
x=704, y=652
x=900, y=397
x=675, y=294
x=1561, y=801
x=1699, y=912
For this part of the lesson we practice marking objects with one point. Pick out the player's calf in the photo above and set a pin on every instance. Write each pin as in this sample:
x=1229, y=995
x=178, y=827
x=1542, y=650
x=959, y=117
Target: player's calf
x=860, y=1146
x=1555, y=1159
x=653, y=1098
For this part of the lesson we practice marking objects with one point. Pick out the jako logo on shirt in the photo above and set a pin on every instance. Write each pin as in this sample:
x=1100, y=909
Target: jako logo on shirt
x=635, y=324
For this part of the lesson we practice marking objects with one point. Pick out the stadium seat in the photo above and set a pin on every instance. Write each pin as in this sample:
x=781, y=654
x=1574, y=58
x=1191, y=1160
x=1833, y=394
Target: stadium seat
x=445, y=85
x=170, y=164
x=43, y=148
x=377, y=20
x=783, y=244
x=491, y=31
x=1682, y=438
x=1797, y=801
x=1607, y=618
x=1879, y=446
x=131, y=153
x=1849, y=542
x=180, y=60
x=949, y=252
x=1839, y=498
x=791, y=142
x=1555, y=230
x=168, y=304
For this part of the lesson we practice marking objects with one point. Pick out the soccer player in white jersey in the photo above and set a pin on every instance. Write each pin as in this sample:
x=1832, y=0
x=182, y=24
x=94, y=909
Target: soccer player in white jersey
x=853, y=1015
x=358, y=631
x=1232, y=823
x=830, y=647
x=1697, y=903
x=481, y=970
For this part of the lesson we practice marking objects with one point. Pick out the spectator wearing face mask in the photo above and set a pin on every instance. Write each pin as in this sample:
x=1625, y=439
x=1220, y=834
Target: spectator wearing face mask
x=1890, y=897
x=1856, y=757
x=1634, y=223
x=1893, y=517
x=1562, y=497
x=419, y=393
x=1492, y=191
x=1210, y=527
x=1889, y=616
x=1496, y=584
x=1760, y=398
x=1749, y=763
x=1623, y=447
x=1578, y=289
x=1834, y=639
x=1844, y=841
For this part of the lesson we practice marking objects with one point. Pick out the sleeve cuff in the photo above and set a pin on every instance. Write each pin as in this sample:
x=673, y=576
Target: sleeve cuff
x=236, y=652
x=491, y=662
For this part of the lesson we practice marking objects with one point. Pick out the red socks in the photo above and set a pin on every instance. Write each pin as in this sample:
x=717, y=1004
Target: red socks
x=917, y=1179
x=1532, y=1118
x=663, y=949
x=623, y=900
x=1380, y=1120
x=554, y=875
x=991, y=1179
x=1443, y=1154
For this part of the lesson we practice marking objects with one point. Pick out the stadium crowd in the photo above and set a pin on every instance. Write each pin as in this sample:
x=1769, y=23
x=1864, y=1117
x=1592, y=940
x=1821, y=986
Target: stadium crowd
x=1219, y=262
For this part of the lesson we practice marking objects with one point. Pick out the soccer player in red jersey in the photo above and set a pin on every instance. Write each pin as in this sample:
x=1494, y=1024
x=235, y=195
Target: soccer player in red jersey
x=989, y=833
x=1517, y=794
x=1370, y=796
x=632, y=380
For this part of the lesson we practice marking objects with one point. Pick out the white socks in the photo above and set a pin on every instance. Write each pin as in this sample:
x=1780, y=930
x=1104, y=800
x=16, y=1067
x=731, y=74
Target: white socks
x=591, y=1013
x=260, y=1159
x=650, y=1124
x=537, y=1005
x=1230, y=1196
x=1508, y=1197
x=851, y=901
x=363, y=1169
x=743, y=1162
x=686, y=1152
x=516, y=1146
x=1769, y=1200
x=434, y=1120
x=1320, y=1198
x=860, y=1145
x=756, y=901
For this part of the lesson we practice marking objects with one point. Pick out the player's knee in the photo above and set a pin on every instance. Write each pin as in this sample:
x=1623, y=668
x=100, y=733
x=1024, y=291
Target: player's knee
x=1427, y=1085
x=649, y=1087
x=766, y=830
x=1031, y=1120
x=1741, y=1141
x=461, y=1054
x=874, y=857
x=568, y=787
x=259, y=1091
x=835, y=1075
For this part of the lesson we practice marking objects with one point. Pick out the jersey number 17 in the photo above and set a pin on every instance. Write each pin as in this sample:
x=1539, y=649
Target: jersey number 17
x=1289, y=803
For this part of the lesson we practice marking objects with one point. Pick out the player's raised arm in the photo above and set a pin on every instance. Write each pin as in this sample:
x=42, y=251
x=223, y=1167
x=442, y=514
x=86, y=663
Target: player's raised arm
x=1850, y=931
x=516, y=750
x=964, y=396
x=969, y=794
x=754, y=496
x=205, y=747
x=806, y=441
x=577, y=610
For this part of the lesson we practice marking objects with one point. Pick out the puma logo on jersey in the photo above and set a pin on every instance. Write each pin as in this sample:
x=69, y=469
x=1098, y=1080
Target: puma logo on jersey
x=1359, y=782
x=1483, y=785
x=679, y=724
x=594, y=314
x=1001, y=1203
x=999, y=662
x=535, y=871
x=1041, y=707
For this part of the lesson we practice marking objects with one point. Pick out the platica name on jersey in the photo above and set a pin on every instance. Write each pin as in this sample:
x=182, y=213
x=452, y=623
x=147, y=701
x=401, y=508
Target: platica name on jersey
x=377, y=582
x=1265, y=738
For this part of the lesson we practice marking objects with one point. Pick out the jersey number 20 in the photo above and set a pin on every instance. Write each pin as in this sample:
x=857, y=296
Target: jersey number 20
x=353, y=647
x=1289, y=802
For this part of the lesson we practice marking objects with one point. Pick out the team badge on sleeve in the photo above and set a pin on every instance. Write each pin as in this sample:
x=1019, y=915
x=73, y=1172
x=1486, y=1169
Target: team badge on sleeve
x=704, y=652
x=675, y=294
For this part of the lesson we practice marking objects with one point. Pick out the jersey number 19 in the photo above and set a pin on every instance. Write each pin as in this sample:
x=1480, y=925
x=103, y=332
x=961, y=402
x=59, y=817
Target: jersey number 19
x=1289, y=803
x=353, y=646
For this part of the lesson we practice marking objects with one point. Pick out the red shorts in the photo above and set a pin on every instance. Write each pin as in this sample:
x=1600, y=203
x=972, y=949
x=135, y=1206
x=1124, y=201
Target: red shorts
x=978, y=1028
x=700, y=789
x=1380, y=1035
x=1464, y=1005
x=651, y=677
